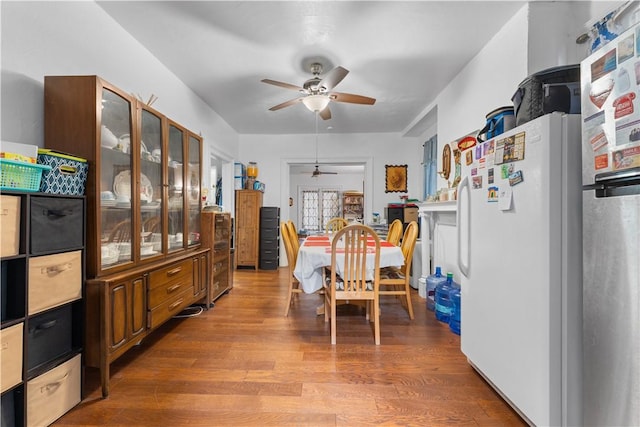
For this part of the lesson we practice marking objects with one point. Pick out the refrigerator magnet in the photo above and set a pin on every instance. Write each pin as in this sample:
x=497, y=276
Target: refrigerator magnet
x=505, y=195
x=492, y=194
x=515, y=178
x=477, y=182
x=490, y=176
x=601, y=161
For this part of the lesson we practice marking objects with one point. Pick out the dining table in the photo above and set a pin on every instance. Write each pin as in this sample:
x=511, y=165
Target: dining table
x=315, y=254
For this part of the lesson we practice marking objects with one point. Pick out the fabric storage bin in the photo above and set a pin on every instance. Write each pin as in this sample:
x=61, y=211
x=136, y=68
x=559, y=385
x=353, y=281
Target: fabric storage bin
x=8, y=411
x=54, y=280
x=553, y=89
x=11, y=357
x=56, y=224
x=52, y=394
x=49, y=336
x=68, y=174
x=10, y=225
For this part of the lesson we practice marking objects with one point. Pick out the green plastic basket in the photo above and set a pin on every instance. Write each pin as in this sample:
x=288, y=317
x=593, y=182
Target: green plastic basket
x=22, y=176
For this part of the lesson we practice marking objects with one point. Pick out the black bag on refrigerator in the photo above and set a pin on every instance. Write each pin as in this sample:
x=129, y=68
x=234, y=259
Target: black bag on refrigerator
x=553, y=89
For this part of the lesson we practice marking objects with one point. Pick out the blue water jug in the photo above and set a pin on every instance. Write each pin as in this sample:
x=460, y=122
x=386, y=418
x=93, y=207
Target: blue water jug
x=454, y=297
x=433, y=281
x=443, y=303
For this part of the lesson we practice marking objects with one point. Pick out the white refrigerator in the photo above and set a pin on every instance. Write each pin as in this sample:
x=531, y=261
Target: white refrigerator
x=611, y=204
x=519, y=231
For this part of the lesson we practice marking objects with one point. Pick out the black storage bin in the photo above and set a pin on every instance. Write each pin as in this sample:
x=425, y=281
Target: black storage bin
x=49, y=336
x=553, y=89
x=8, y=412
x=56, y=224
x=269, y=212
x=269, y=234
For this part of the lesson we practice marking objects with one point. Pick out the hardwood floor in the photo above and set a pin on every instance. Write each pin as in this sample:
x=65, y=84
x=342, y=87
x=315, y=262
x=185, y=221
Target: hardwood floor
x=243, y=364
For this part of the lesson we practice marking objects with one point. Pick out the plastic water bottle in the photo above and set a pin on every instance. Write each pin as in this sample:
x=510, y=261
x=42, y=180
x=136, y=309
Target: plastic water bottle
x=454, y=297
x=433, y=281
x=443, y=303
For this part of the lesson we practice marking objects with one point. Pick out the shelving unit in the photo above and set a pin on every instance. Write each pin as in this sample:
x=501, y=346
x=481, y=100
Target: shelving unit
x=269, y=238
x=216, y=235
x=352, y=206
x=42, y=306
x=145, y=261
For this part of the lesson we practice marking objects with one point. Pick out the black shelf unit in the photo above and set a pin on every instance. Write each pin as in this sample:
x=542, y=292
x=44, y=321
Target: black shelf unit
x=269, y=238
x=51, y=335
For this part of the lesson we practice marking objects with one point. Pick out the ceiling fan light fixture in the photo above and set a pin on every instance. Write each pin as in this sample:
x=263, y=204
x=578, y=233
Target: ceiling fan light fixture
x=316, y=103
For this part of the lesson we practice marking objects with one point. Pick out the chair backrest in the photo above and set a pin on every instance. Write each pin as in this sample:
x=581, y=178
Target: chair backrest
x=121, y=232
x=293, y=236
x=408, y=245
x=335, y=224
x=355, y=242
x=395, y=232
x=288, y=245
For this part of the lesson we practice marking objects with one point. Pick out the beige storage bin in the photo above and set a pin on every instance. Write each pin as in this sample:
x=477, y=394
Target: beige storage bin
x=54, y=280
x=53, y=393
x=11, y=357
x=9, y=225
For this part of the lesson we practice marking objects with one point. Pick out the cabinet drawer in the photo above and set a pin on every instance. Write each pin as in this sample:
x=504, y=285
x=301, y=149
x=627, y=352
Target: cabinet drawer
x=269, y=223
x=271, y=254
x=171, y=307
x=10, y=225
x=49, y=336
x=268, y=264
x=172, y=273
x=11, y=356
x=160, y=294
x=269, y=233
x=56, y=224
x=270, y=212
x=269, y=243
x=53, y=393
x=54, y=280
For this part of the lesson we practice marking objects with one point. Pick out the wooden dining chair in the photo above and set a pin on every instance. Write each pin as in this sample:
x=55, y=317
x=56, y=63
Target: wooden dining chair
x=292, y=256
x=335, y=224
x=350, y=246
x=294, y=235
x=395, y=232
x=395, y=280
x=121, y=232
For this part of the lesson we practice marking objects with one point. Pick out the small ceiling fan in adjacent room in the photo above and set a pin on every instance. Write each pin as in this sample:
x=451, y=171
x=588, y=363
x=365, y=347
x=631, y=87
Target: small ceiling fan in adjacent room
x=317, y=92
x=317, y=172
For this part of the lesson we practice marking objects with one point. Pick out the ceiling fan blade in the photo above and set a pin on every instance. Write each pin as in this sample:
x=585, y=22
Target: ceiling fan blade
x=333, y=77
x=326, y=113
x=285, y=104
x=351, y=98
x=282, y=84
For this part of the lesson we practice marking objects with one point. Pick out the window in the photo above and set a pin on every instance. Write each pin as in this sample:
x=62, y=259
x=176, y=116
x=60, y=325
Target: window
x=430, y=164
x=317, y=207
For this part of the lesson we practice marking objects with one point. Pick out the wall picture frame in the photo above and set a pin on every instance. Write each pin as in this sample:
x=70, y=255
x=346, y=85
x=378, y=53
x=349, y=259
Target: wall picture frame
x=395, y=179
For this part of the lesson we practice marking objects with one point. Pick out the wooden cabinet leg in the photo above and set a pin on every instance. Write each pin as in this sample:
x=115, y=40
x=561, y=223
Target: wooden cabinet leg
x=104, y=380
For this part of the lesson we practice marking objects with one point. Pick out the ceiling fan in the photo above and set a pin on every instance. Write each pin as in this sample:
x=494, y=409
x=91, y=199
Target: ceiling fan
x=317, y=172
x=317, y=92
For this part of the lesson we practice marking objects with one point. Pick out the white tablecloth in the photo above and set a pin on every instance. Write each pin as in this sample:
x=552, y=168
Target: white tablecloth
x=311, y=260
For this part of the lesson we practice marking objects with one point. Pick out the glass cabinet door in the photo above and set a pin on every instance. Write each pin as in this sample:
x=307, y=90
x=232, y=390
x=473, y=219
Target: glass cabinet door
x=150, y=215
x=175, y=178
x=193, y=190
x=115, y=180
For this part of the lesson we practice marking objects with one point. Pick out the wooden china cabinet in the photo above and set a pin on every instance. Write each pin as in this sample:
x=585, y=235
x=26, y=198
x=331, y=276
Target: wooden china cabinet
x=145, y=261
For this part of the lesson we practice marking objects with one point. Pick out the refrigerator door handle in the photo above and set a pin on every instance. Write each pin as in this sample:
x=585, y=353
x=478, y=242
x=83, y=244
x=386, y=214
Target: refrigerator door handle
x=464, y=185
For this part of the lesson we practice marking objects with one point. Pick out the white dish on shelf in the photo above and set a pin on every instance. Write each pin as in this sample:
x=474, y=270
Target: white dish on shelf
x=122, y=186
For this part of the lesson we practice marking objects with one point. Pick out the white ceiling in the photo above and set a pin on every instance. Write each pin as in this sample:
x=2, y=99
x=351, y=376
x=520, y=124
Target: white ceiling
x=401, y=53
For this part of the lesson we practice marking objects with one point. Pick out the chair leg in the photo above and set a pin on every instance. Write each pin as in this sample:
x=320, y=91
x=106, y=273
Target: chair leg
x=333, y=320
x=376, y=321
x=286, y=310
x=407, y=295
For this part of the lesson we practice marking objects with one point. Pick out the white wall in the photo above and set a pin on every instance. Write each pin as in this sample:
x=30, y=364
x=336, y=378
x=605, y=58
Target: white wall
x=79, y=38
x=272, y=152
